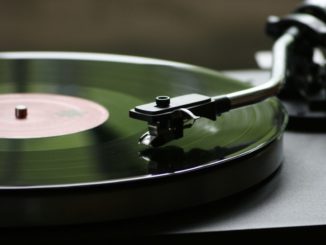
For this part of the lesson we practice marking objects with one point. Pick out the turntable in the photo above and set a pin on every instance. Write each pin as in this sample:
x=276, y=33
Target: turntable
x=91, y=141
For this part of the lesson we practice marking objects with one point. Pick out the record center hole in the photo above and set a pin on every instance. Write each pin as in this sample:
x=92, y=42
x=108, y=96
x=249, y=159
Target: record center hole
x=21, y=111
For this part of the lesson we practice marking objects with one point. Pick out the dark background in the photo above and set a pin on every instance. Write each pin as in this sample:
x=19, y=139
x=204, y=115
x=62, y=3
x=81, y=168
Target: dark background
x=221, y=34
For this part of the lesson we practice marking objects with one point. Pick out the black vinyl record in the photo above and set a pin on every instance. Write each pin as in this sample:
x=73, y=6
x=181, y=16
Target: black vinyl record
x=75, y=157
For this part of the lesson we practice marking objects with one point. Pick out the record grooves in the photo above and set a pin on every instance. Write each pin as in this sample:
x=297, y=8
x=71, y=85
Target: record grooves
x=101, y=173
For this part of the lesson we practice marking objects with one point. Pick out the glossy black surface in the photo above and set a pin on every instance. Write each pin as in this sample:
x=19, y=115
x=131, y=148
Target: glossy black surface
x=102, y=174
x=110, y=152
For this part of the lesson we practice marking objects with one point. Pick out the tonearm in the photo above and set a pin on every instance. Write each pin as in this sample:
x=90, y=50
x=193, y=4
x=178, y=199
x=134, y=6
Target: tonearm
x=297, y=35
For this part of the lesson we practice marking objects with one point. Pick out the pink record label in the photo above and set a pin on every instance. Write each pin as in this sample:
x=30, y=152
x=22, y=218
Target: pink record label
x=32, y=115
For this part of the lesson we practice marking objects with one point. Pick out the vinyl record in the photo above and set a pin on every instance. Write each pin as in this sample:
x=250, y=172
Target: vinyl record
x=74, y=158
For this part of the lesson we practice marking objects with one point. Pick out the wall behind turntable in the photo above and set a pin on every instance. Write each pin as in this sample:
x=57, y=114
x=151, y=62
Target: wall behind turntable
x=214, y=33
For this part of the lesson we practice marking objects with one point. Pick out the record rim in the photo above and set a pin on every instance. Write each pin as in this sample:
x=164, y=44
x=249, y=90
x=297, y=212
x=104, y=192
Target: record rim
x=116, y=203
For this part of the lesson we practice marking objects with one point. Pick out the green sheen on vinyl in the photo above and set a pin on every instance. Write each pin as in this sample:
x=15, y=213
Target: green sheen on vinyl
x=111, y=152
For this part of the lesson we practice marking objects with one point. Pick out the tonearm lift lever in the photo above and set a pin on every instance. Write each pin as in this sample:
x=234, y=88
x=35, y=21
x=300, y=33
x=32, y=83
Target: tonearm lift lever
x=303, y=29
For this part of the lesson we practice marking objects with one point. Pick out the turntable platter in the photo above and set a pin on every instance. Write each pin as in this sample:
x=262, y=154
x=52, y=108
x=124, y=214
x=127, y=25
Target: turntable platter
x=100, y=172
